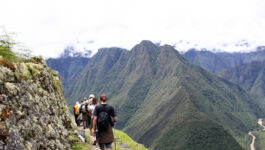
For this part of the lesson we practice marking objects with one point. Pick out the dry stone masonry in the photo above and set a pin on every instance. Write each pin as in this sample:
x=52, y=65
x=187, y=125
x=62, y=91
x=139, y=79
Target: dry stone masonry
x=33, y=109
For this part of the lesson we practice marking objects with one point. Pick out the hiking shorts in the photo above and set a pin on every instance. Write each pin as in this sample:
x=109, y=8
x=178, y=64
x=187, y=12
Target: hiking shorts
x=102, y=145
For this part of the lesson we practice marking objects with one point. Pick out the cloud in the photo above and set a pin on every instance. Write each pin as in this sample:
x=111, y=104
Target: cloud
x=47, y=27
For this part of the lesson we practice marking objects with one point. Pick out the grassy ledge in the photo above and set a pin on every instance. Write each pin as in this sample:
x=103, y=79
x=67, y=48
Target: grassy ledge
x=124, y=141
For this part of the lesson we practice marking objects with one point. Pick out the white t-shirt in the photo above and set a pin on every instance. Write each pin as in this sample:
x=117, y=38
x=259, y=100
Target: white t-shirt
x=92, y=108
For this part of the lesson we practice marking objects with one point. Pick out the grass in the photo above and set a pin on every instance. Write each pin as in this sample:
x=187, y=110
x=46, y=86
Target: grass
x=76, y=143
x=32, y=70
x=123, y=138
x=260, y=138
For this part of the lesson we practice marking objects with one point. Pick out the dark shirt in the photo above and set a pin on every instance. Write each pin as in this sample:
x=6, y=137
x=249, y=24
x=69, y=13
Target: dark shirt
x=109, y=109
x=105, y=136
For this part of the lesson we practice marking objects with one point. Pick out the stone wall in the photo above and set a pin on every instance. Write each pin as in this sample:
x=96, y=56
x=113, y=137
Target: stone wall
x=33, y=109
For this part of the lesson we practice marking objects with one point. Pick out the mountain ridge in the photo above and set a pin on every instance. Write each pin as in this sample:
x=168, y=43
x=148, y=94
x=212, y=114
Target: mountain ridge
x=143, y=81
x=218, y=61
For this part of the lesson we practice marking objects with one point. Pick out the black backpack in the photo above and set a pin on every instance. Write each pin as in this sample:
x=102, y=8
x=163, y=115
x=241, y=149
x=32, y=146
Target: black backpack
x=83, y=109
x=104, y=119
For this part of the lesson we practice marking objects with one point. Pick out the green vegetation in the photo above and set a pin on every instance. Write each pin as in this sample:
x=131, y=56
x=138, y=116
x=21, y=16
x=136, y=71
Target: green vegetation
x=6, y=45
x=217, y=61
x=120, y=137
x=32, y=70
x=68, y=67
x=7, y=54
x=206, y=59
x=260, y=138
x=76, y=143
x=250, y=76
x=56, y=82
x=203, y=134
x=123, y=138
x=163, y=100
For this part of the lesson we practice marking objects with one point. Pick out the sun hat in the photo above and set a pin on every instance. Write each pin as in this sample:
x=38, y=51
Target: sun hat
x=91, y=96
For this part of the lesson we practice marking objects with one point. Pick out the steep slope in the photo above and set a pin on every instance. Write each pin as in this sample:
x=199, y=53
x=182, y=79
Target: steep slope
x=250, y=76
x=215, y=62
x=94, y=73
x=206, y=59
x=33, y=110
x=166, y=102
x=68, y=67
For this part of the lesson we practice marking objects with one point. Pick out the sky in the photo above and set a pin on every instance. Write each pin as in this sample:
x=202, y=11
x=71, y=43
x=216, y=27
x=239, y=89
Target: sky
x=47, y=27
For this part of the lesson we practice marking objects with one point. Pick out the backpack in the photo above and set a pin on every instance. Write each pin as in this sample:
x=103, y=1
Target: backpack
x=76, y=110
x=83, y=108
x=103, y=120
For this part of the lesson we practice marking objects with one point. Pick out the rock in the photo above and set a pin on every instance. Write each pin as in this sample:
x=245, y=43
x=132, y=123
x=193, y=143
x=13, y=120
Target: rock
x=36, y=117
x=125, y=145
x=5, y=74
x=12, y=88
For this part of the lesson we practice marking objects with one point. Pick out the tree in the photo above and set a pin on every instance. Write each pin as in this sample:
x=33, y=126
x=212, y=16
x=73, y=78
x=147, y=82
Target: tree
x=6, y=45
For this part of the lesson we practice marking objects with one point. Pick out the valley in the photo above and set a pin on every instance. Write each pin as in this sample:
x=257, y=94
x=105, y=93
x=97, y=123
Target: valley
x=259, y=132
x=156, y=86
x=178, y=75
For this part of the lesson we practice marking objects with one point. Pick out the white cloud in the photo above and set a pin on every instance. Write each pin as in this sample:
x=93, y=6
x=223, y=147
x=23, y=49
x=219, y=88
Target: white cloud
x=49, y=26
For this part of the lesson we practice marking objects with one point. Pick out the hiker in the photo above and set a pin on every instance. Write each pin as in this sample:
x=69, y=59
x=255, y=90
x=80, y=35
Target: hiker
x=91, y=96
x=92, y=109
x=85, y=114
x=104, y=117
x=76, y=112
x=89, y=112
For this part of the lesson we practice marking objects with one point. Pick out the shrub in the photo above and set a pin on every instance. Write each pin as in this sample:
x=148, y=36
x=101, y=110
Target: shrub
x=5, y=62
x=6, y=45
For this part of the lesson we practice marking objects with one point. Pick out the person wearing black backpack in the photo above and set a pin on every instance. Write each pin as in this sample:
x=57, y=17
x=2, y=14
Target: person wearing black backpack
x=85, y=113
x=104, y=118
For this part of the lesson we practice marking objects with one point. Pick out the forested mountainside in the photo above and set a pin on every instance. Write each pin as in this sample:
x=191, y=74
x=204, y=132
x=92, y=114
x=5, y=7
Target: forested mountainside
x=68, y=67
x=215, y=62
x=164, y=101
x=250, y=76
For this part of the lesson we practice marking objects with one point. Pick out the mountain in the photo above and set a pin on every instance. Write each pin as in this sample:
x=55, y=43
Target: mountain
x=215, y=62
x=250, y=76
x=165, y=102
x=68, y=67
x=70, y=64
x=206, y=59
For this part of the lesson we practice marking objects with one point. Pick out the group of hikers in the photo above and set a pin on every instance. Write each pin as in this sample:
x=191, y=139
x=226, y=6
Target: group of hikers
x=99, y=118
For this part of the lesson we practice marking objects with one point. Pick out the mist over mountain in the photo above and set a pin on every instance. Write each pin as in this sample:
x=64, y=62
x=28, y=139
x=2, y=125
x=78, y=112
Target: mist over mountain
x=70, y=64
x=166, y=102
x=71, y=51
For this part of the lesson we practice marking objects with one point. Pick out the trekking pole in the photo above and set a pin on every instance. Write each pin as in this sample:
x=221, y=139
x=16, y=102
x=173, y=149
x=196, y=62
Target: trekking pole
x=114, y=135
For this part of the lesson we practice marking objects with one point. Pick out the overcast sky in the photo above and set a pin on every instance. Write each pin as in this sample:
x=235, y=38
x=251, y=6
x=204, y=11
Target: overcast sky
x=47, y=26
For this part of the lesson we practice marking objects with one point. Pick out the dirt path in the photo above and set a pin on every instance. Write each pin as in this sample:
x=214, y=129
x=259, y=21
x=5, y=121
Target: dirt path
x=81, y=134
x=252, y=145
x=261, y=124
